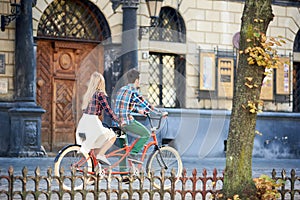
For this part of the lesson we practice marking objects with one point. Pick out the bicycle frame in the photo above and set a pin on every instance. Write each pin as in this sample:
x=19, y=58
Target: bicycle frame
x=127, y=148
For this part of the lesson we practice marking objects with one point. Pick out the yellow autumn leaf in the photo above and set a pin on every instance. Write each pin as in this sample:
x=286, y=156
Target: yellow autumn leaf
x=277, y=43
x=252, y=110
x=249, y=78
x=258, y=133
x=282, y=41
x=248, y=85
x=251, y=62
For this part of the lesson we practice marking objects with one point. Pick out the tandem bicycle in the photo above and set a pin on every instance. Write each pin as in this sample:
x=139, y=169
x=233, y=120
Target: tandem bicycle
x=153, y=160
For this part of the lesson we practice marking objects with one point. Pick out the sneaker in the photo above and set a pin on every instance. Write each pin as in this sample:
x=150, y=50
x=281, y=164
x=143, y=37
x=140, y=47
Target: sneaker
x=134, y=158
x=90, y=181
x=125, y=180
x=103, y=160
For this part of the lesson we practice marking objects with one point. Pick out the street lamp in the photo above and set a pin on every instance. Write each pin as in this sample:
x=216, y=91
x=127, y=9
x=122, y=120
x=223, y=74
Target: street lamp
x=129, y=29
x=154, y=7
x=15, y=12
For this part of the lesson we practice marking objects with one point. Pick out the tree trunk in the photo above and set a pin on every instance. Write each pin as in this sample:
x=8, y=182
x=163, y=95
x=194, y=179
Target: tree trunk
x=256, y=17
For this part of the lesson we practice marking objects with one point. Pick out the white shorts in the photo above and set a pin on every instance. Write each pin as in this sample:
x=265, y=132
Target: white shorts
x=95, y=133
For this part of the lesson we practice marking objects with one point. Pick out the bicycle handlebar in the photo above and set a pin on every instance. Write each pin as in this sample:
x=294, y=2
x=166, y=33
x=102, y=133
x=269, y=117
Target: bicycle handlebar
x=161, y=114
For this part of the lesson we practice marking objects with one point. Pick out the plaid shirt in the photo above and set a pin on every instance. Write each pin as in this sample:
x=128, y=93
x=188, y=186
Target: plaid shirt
x=97, y=104
x=128, y=100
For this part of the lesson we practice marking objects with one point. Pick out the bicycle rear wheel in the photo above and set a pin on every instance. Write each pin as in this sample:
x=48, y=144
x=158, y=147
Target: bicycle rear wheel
x=166, y=158
x=71, y=159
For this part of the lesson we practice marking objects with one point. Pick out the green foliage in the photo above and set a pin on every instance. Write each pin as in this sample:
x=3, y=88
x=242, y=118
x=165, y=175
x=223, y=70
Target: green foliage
x=261, y=49
x=261, y=52
x=267, y=187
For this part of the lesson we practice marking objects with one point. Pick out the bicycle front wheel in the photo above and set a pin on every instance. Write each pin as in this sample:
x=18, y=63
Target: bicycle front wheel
x=168, y=159
x=70, y=158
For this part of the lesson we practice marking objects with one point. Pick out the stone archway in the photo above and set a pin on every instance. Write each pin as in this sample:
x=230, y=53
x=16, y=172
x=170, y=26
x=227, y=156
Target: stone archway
x=69, y=38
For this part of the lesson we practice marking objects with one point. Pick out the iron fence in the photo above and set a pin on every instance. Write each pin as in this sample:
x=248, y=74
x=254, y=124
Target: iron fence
x=36, y=186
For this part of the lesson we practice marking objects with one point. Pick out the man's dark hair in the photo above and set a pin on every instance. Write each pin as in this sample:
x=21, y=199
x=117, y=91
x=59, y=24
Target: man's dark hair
x=132, y=75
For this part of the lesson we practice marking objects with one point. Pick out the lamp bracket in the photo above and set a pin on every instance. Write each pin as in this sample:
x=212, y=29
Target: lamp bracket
x=143, y=30
x=115, y=4
x=6, y=19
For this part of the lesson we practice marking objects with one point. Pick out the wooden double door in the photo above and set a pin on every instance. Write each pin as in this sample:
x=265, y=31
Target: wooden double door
x=63, y=71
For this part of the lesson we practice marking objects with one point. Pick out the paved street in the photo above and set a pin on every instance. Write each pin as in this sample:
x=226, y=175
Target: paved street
x=260, y=166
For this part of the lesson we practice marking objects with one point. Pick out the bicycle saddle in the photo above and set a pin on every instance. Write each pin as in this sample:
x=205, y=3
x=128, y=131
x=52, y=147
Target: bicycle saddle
x=117, y=130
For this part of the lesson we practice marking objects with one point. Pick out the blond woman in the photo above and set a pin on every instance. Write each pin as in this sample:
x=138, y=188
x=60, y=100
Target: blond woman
x=90, y=133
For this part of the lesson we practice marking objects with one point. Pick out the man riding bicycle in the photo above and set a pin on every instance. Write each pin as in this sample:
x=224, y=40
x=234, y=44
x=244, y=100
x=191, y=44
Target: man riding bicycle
x=130, y=100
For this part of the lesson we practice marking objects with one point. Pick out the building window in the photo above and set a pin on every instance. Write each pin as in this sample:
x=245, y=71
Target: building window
x=73, y=19
x=167, y=80
x=167, y=71
x=296, y=74
x=170, y=28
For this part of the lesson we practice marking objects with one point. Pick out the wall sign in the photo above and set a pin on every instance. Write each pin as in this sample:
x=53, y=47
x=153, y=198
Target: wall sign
x=2, y=64
x=207, y=71
x=267, y=86
x=225, y=77
x=3, y=85
x=283, y=77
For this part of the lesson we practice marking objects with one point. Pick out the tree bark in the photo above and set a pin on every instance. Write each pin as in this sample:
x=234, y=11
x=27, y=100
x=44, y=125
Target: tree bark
x=238, y=171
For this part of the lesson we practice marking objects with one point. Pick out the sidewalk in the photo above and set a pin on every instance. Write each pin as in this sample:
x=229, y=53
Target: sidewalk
x=259, y=166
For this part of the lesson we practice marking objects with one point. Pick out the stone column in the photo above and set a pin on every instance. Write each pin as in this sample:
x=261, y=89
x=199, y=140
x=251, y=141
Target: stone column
x=25, y=116
x=129, y=35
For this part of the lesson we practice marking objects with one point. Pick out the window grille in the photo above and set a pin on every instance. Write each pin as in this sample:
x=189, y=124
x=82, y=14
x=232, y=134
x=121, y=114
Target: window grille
x=296, y=76
x=166, y=80
x=296, y=89
x=170, y=28
x=73, y=19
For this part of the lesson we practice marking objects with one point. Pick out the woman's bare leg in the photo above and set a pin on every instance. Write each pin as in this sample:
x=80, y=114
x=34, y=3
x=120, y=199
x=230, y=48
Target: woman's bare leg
x=101, y=151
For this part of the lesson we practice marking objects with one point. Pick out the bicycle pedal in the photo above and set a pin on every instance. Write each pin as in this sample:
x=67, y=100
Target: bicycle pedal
x=135, y=161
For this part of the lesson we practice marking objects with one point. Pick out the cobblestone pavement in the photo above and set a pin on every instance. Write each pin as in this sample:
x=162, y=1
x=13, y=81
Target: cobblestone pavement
x=260, y=166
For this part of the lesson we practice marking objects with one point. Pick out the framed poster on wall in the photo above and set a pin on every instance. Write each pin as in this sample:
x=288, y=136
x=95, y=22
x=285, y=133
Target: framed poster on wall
x=225, y=77
x=267, y=86
x=2, y=63
x=207, y=71
x=3, y=85
x=283, y=77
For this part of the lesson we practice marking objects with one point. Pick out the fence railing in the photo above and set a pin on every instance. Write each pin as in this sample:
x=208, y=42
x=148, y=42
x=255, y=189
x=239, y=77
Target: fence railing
x=203, y=186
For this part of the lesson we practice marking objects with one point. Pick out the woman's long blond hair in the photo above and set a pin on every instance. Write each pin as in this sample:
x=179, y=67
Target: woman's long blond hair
x=97, y=82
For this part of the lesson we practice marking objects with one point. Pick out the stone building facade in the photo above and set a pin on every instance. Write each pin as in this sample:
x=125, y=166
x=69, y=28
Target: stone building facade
x=201, y=41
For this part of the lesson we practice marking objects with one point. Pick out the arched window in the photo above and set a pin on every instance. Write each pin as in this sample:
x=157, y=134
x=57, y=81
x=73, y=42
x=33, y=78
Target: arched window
x=170, y=28
x=296, y=75
x=73, y=20
x=297, y=42
x=167, y=70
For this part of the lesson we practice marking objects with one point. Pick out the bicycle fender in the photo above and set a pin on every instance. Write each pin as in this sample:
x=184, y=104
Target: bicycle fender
x=65, y=147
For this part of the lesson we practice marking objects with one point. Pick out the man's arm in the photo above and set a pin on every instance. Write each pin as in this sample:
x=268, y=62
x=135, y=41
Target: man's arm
x=142, y=102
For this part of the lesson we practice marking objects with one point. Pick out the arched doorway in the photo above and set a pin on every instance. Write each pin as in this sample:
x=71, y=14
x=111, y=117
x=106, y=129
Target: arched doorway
x=296, y=74
x=69, y=38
